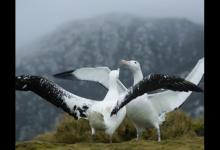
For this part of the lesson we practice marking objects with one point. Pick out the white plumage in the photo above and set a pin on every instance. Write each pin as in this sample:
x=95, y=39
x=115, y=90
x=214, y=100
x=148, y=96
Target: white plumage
x=147, y=110
x=97, y=112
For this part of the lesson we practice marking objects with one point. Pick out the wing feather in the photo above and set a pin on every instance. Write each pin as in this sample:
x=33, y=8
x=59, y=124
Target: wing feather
x=169, y=100
x=72, y=104
x=154, y=82
x=95, y=74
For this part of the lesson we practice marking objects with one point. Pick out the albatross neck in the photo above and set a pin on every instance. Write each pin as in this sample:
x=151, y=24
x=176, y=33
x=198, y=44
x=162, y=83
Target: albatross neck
x=138, y=76
x=112, y=93
x=112, y=83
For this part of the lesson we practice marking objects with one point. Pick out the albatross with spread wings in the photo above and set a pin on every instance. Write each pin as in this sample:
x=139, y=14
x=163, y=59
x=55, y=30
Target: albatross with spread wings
x=97, y=112
x=147, y=110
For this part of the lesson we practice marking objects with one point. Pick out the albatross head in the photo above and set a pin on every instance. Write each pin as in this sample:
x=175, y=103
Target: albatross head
x=133, y=65
x=135, y=68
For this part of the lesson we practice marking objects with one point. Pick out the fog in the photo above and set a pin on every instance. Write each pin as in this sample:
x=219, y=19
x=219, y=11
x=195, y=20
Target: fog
x=35, y=18
x=102, y=43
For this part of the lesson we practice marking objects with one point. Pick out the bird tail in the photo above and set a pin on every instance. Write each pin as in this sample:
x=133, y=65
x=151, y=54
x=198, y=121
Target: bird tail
x=167, y=101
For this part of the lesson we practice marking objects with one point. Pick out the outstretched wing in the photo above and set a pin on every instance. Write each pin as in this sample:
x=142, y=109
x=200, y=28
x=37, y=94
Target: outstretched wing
x=96, y=74
x=169, y=100
x=72, y=104
x=154, y=82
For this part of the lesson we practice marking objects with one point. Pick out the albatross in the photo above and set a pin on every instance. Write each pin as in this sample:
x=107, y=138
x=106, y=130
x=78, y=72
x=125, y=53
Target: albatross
x=149, y=110
x=97, y=112
x=146, y=110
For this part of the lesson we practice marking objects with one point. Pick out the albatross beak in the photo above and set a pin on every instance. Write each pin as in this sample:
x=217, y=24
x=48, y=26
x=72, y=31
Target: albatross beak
x=124, y=62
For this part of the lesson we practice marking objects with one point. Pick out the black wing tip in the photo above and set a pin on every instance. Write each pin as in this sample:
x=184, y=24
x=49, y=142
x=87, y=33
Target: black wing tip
x=114, y=112
x=192, y=87
x=174, y=83
x=199, y=89
x=63, y=74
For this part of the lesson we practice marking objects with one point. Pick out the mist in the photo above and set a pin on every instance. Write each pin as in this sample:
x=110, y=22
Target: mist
x=52, y=36
x=35, y=18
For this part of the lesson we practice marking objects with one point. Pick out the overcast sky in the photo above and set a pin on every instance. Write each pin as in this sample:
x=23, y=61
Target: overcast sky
x=35, y=18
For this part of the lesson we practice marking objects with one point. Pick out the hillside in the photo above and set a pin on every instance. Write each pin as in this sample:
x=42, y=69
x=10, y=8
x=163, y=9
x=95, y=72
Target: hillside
x=169, y=45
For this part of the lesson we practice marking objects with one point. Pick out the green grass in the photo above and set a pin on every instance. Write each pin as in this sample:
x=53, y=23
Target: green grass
x=181, y=143
x=178, y=132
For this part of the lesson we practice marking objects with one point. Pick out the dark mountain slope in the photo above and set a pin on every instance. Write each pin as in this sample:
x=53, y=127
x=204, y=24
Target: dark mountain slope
x=171, y=46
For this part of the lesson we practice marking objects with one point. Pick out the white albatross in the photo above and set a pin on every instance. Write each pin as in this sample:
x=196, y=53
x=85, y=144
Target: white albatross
x=97, y=112
x=147, y=110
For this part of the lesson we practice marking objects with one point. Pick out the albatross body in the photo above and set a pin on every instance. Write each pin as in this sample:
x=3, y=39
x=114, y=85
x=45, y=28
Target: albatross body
x=145, y=110
x=97, y=112
x=149, y=110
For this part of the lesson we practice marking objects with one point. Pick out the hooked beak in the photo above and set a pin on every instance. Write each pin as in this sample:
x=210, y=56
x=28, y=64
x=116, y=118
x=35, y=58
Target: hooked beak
x=124, y=62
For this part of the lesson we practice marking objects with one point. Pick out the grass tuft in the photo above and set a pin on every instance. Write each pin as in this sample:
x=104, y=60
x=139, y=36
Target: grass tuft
x=71, y=131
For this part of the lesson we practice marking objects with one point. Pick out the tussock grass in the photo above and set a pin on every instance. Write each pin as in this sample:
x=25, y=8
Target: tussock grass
x=198, y=126
x=177, y=124
x=69, y=131
x=180, y=143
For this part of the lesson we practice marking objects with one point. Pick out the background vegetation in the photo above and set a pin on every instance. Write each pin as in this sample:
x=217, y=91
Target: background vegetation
x=179, y=131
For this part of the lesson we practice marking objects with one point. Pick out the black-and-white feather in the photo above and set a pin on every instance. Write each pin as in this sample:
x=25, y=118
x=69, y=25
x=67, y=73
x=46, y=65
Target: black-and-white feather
x=69, y=75
x=154, y=82
x=96, y=74
x=53, y=93
x=97, y=112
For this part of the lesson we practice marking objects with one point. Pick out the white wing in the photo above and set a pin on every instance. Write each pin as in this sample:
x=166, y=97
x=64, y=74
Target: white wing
x=95, y=74
x=169, y=100
x=165, y=101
